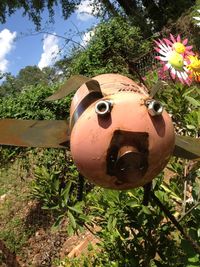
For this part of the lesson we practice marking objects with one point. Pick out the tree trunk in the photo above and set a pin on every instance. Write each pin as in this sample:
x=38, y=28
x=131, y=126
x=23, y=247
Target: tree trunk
x=110, y=7
x=135, y=13
x=155, y=14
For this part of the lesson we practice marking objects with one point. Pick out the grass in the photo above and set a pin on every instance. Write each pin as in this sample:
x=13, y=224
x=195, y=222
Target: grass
x=8, y=181
x=21, y=216
x=16, y=193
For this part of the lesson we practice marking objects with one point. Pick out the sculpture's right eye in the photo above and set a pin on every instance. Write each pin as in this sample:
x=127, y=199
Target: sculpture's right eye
x=154, y=107
x=103, y=107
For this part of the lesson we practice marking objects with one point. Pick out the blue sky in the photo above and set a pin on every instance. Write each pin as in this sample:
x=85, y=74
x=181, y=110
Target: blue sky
x=19, y=49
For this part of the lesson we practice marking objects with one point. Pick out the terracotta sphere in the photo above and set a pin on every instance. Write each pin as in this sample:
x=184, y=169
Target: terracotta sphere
x=120, y=137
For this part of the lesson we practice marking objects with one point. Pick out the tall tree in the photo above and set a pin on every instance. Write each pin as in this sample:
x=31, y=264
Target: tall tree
x=147, y=14
x=34, y=8
x=28, y=76
x=134, y=11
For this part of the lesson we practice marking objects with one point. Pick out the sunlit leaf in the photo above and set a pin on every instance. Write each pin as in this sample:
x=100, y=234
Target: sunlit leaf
x=72, y=219
x=193, y=101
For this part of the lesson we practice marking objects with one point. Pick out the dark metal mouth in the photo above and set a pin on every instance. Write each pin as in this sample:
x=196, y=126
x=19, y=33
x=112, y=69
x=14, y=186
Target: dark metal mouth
x=127, y=155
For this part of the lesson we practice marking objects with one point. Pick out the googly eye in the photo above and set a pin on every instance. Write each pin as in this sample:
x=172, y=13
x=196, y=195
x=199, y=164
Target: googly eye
x=103, y=107
x=154, y=107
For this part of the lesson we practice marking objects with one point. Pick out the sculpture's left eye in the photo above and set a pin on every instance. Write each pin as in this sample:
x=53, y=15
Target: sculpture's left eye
x=154, y=107
x=103, y=107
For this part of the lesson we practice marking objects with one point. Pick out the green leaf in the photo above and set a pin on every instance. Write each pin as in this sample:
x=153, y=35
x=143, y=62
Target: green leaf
x=190, y=127
x=132, y=204
x=77, y=208
x=132, y=195
x=72, y=219
x=198, y=115
x=56, y=184
x=146, y=210
x=193, y=101
x=109, y=224
x=65, y=192
x=172, y=193
x=112, y=195
x=58, y=221
x=70, y=230
x=198, y=232
x=194, y=259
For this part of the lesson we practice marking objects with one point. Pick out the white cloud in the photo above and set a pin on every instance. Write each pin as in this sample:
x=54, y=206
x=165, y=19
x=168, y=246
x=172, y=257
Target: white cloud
x=86, y=37
x=50, y=51
x=6, y=44
x=84, y=10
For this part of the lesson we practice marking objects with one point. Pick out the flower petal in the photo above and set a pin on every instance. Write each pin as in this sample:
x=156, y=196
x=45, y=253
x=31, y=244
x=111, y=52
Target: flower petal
x=162, y=52
x=185, y=69
x=167, y=66
x=185, y=41
x=180, y=77
x=172, y=38
x=189, y=47
x=163, y=45
x=184, y=75
x=197, y=18
x=161, y=58
x=173, y=73
x=168, y=42
x=157, y=49
x=179, y=38
x=188, y=81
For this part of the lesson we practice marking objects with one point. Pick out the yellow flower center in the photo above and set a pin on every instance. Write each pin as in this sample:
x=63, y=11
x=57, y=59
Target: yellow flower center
x=176, y=60
x=194, y=64
x=179, y=47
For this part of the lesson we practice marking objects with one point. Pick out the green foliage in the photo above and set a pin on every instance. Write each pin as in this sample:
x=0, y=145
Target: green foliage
x=135, y=235
x=30, y=104
x=14, y=235
x=128, y=229
x=12, y=227
x=34, y=9
x=186, y=26
x=55, y=186
x=114, y=42
x=28, y=76
x=182, y=102
x=57, y=192
x=144, y=14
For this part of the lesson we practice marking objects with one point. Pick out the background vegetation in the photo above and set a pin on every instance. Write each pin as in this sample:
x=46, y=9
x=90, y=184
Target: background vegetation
x=131, y=234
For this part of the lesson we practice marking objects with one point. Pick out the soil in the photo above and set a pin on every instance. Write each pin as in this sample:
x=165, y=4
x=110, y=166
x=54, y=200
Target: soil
x=45, y=245
x=23, y=219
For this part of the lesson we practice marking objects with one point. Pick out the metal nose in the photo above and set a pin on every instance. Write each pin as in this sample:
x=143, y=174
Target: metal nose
x=129, y=163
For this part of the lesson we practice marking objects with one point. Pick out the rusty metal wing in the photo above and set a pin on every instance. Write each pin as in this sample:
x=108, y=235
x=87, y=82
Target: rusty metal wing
x=187, y=147
x=34, y=133
x=160, y=85
x=72, y=85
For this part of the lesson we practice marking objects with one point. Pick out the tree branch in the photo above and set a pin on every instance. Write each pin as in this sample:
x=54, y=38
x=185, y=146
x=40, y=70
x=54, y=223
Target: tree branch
x=176, y=223
x=56, y=35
